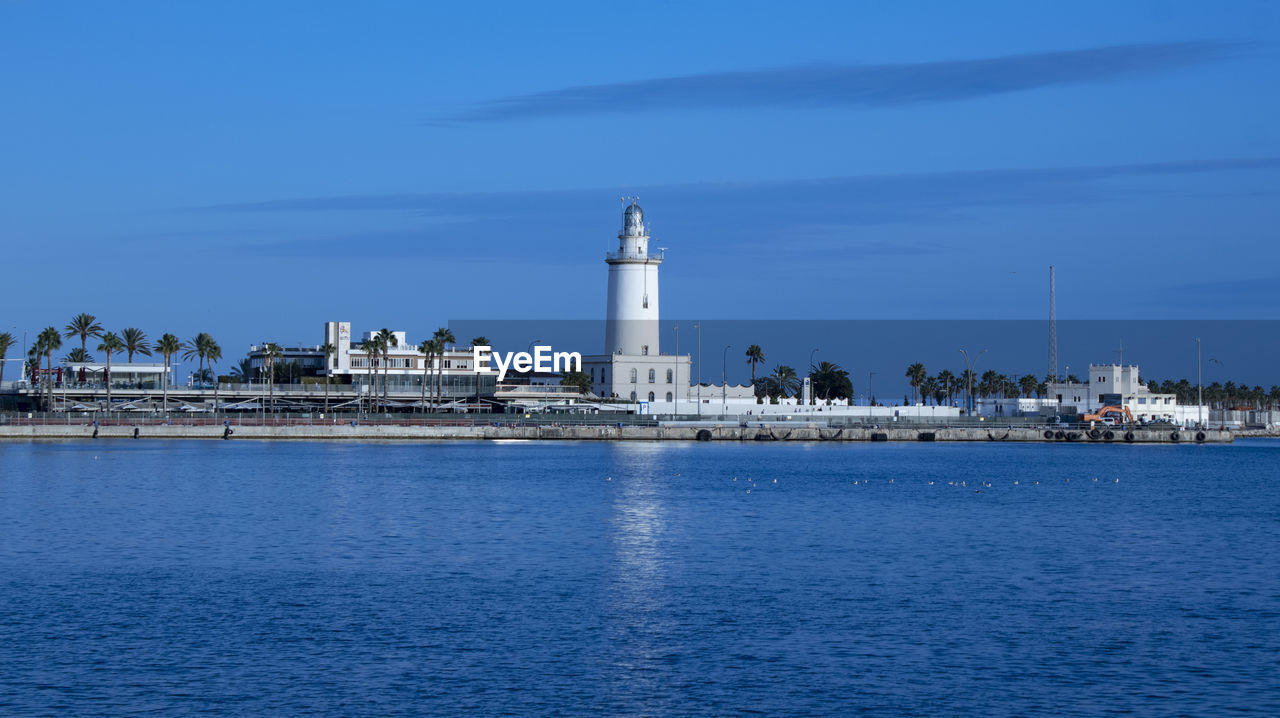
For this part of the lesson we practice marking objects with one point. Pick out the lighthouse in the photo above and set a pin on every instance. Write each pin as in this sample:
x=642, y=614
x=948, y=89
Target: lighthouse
x=631, y=325
x=632, y=367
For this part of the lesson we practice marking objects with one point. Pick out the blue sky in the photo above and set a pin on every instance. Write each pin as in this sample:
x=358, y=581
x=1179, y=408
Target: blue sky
x=254, y=169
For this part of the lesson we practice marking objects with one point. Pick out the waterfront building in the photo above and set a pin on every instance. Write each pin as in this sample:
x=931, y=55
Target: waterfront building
x=404, y=367
x=1107, y=385
x=122, y=375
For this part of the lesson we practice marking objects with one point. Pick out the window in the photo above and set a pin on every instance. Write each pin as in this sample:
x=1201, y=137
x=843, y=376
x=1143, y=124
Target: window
x=653, y=376
x=633, y=396
x=602, y=376
x=593, y=375
x=645, y=350
x=668, y=379
x=646, y=301
x=633, y=380
x=650, y=396
x=668, y=396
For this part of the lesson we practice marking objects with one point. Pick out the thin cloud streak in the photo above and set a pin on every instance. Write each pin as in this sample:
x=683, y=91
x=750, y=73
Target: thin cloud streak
x=966, y=188
x=854, y=86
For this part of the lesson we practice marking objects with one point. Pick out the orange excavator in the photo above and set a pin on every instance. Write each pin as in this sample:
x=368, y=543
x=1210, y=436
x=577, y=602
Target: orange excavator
x=1111, y=415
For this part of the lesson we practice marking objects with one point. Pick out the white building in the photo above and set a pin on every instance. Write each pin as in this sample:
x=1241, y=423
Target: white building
x=1107, y=385
x=405, y=367
x=632, y=367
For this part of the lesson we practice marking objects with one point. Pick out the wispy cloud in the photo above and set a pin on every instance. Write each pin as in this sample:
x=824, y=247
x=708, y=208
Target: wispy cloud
x=865, y=198
x=855, y=86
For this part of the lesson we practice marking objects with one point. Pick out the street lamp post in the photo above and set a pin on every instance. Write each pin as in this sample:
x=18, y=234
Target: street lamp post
x=698, y=326
x=969, y=372
x=724, y=386
x=1199, y=387
x=676, y=408
x=812, y=398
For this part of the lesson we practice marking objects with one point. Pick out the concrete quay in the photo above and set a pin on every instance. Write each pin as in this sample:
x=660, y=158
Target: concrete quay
x=701, y=432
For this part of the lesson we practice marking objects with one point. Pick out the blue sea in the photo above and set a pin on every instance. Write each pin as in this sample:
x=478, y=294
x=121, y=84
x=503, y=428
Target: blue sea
x=546, y=578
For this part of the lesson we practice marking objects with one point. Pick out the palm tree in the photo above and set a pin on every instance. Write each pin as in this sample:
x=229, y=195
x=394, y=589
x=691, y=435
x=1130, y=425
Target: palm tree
x=428, y=349
x=212, y=353
x=329, y=351
x=784, y=380
x=168, y=346
x=135, y=342
x=83, y=326
x=387, y=341
x=198, y=347
x=1028, y=384
x=829, y=380
x=6, y=341
x=755, y=355
x=77, y=356
x=947, y=383
x=270, y=352
x=480, y=342
x=928, y=388
x=242, y=371
x=371, y=349
x=916, y=374
x=49, y=342
x=445, y=338
x=110, y=344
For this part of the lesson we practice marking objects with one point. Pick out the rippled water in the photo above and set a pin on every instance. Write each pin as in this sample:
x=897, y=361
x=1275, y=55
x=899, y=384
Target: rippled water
x=633, y=578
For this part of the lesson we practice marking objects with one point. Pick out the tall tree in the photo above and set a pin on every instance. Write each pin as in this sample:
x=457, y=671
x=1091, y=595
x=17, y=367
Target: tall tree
x=110, y=345
x=755, y=355
x=928, y=387
x=915, y=376
x=784, y=380
x=947, y=382
x=1028, y=384
x=386, y=342
x=49, y=342
x=212, y=353
x=445, y=338
x=480, y=342
x=168, y=346
x=77, y=356
x=83, y=326
x=371, y=349
x=329, y=351
x=135, y=342
x=428, y=349
x=198, y=347
x=6, y=341
x=270, y=352
x=831, y=382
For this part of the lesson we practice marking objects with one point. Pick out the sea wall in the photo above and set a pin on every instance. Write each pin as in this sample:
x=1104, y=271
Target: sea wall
x=374, y=432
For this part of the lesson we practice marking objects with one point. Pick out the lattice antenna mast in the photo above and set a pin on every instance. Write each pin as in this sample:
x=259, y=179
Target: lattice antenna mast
x=1053, y=328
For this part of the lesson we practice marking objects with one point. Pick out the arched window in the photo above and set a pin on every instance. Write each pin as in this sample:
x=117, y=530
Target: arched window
x=633, y=396
x=593, y=375
x=633, y=376
x=668, y=396
x=645, y=350
x=653, y=375
x=668, y=377
x=650, y=396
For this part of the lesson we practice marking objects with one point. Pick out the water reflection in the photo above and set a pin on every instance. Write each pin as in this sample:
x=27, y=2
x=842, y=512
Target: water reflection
x=638, y=587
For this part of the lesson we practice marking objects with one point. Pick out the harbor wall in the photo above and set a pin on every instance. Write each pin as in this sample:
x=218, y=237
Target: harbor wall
x=375, y=432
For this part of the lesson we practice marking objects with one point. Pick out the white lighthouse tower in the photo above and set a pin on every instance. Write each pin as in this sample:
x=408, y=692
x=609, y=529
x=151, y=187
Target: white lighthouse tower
x=632, y=314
